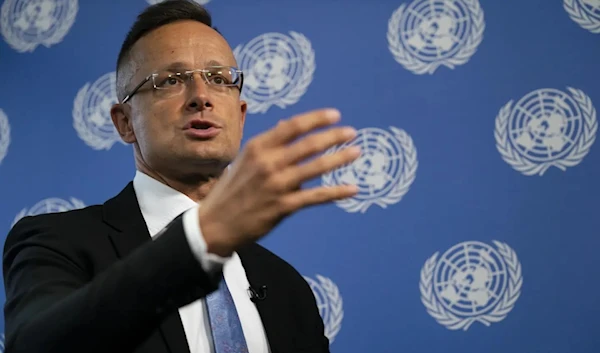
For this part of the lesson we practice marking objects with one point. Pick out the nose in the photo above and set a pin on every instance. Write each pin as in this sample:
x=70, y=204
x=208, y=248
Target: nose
x=199, y=98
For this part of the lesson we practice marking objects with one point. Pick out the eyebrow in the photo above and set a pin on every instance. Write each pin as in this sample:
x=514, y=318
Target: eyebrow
x=175, y=66
x=180, y=66
x=214, y=63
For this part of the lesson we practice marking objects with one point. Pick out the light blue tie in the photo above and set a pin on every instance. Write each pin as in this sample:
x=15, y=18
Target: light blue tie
x=225, y=324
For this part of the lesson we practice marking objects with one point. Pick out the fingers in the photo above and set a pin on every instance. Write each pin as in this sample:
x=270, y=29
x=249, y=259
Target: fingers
x=315, y=196
x=316, y=143
x=288, y=130
x=294, y=176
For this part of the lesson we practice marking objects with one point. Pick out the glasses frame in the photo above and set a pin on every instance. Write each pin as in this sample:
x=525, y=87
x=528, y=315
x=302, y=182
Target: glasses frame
x=187, y=72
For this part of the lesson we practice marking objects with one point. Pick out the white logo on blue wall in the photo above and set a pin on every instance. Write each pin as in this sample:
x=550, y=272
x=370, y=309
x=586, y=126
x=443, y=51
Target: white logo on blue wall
x=428, y=34
x=277, y=70
x=471, y=282
x=383, y=173
x=201, y=2
x=50, y=205
x=25, y=24
x=91, y=113
x=546, y=128
x=329, y=303
x=4, y=135
x=585, y=13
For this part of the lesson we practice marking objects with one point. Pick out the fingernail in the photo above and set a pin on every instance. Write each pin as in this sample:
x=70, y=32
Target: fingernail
x=333, y=114
x=355, y=150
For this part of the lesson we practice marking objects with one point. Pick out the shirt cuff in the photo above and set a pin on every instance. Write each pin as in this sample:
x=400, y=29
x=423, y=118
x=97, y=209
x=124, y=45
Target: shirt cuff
x=211, y=263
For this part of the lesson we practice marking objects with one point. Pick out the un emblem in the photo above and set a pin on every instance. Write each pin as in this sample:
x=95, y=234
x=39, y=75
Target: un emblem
x=329, y=302
x=429, y=33
x=278, y=70
x=546, y=128
x=25, y=24
x=50, y=205
x=4, y=135
x=91, y=113
x=471, y=282
x=585, y=13
x=383, y=173
x=201, y=2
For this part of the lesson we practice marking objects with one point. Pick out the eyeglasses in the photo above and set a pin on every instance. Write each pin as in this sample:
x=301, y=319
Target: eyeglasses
x=168, y=84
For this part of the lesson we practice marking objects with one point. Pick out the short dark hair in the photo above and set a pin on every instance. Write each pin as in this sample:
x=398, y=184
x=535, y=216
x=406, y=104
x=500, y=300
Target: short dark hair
x=156, y=16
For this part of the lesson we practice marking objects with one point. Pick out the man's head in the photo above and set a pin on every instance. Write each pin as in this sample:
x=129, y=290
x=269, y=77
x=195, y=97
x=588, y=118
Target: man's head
x=167, y=116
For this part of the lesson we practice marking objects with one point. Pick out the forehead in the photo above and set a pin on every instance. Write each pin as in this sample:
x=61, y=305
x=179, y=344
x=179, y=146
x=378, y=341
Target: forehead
x=190, y=43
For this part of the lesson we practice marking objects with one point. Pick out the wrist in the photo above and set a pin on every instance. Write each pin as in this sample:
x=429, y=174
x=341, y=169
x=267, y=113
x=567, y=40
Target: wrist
x=216, y=235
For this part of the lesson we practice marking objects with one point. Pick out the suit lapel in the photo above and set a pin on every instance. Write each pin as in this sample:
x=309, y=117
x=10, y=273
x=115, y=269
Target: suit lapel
x=273, y=309
x=123, y=213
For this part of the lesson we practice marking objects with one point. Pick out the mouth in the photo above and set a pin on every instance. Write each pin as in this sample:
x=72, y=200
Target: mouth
x=198, y=124
x=201, y=129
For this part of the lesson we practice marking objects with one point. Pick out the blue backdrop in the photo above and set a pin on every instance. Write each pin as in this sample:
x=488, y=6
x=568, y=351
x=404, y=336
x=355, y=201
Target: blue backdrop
x=476, y=228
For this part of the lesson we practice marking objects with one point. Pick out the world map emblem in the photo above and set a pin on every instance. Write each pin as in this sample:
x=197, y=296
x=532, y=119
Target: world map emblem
x=277, y=70
x=585, y=13
x=4, y=135
x=546, y=128
x=471, y=282
x=91, y=113
x=427, y=34
x=26, y=24
x=50, y=205
x=384, y=171
x=329, y=303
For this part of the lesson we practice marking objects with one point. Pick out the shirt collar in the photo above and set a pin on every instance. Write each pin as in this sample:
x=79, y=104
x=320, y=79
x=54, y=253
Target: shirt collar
x=159, y=203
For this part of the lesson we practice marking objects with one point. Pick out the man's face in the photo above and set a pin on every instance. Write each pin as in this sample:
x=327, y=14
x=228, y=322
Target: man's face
x=161, y=125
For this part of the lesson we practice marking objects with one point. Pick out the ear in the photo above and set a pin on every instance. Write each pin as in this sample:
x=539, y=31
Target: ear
x=244, y=110
x=121, y=118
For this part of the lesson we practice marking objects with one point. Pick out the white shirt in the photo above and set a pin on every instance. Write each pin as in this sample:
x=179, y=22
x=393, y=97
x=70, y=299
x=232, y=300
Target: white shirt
x=160, y=204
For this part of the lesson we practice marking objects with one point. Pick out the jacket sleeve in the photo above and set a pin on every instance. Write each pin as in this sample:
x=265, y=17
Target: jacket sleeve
x=53, y=305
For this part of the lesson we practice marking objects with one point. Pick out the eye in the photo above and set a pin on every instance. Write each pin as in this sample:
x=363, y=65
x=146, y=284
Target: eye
x=168, y=80
x=172, y=81
x=218, y=80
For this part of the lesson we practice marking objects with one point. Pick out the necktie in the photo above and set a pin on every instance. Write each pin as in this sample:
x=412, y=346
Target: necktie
x=227, y=333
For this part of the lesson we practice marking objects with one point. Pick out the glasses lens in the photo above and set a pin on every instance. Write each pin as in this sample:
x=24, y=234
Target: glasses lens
x=223, y=76
x=168, y=83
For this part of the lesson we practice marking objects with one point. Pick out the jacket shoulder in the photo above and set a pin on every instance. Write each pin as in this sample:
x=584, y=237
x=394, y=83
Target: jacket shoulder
x=63, y=223
x=269, y=258
x=272, y=263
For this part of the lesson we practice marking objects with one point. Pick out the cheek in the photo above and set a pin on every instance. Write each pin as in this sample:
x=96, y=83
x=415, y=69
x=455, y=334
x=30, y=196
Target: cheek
x=235, y=128
x=235, y=122
x=150, y=129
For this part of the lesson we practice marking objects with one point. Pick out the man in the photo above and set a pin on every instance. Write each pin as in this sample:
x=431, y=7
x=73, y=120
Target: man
x=171, y=263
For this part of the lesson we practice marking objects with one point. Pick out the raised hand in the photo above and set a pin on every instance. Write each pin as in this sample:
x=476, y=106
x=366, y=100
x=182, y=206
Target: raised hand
x=264, y=183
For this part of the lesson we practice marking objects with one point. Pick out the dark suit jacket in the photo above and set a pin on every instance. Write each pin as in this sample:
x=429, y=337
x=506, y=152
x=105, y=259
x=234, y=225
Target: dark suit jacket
x=91, y=280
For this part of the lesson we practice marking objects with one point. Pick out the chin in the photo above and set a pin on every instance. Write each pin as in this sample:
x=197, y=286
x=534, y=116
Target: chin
x=208, y=152
x=211, y=157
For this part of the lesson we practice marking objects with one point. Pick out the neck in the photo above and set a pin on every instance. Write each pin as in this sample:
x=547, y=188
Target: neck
x=194, y=185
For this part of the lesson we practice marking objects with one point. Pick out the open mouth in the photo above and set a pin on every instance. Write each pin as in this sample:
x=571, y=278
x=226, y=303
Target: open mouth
x=201, y=126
